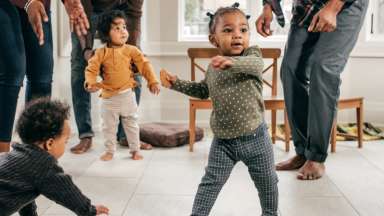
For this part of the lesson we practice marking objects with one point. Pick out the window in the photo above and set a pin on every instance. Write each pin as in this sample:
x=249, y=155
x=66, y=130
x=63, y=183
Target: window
x=377, y=17
x=194, y=21
x=287, y=9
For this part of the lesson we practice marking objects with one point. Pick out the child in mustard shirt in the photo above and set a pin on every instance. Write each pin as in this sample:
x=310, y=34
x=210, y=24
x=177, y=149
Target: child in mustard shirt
x=117, y=82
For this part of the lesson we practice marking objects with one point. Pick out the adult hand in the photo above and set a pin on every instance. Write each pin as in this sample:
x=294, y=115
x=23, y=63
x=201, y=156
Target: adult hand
x=326, y=19
x=263, y=23
x=221, y=62
x=100, y=209
x=87, y=54
x=154, y=89
x=167, y=79
x=36, y=15
x=78, y=20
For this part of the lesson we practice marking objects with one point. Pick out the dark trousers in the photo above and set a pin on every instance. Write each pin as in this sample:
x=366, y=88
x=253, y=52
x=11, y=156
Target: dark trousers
x=255, y=150
x=310, y=74
x=21, y=55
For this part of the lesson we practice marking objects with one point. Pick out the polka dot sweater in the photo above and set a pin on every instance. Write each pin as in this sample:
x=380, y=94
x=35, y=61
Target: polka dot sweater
x=236, y=94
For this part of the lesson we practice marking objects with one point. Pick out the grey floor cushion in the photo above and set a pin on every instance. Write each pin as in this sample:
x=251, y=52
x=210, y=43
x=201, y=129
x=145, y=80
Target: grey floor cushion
x=167, y=134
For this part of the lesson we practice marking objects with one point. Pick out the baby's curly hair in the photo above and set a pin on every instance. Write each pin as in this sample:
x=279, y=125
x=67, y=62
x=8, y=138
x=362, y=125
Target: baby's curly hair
x=105, y=22
x=41, y=120
x=213, y=18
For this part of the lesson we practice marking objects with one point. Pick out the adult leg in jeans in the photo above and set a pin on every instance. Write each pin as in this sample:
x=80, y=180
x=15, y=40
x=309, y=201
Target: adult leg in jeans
x=12, y=70
x=39, y=59
x=81, y=99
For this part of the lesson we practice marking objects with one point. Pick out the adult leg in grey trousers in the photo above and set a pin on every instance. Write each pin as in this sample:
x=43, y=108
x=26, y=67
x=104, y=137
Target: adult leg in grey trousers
x=310, y=74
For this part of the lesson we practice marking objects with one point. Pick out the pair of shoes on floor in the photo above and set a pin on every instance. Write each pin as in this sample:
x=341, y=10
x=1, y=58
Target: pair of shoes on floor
x=83, y=146
x=143, y=145
x=372, y=130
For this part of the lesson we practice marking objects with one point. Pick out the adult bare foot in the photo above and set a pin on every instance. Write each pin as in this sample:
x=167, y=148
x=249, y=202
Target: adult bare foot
x=4, y=146
x=291, y=164
x=145, y=146
x=136, y=156
x=83, y=146
x=107, y=156
x=311, y=170
x=124, y=142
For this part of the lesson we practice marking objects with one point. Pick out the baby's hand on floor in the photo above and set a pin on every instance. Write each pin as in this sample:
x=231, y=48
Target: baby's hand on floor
x=154, y=89
x=167, y=79
x=100, y=209
x=221, y=62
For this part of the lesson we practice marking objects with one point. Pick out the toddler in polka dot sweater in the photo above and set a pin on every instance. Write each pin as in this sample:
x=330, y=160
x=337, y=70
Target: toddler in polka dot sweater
x=234, y=84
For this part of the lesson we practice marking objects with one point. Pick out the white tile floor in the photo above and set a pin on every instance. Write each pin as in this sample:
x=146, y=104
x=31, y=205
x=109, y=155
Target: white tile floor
x=164, y=183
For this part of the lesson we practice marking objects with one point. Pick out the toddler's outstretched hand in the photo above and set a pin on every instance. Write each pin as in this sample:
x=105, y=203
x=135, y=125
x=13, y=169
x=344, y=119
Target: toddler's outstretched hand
x=167, y=78
x=100, y=209
x=155, y=89
x=221, y=62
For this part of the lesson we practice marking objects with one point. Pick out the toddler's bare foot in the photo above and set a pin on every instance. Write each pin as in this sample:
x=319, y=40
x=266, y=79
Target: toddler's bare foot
x=311, y=170
x=107, y=156
x=291, y=164
x=136, y=156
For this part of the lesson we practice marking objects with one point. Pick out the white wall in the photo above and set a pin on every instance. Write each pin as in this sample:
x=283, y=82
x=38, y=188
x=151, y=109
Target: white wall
x=363, y=75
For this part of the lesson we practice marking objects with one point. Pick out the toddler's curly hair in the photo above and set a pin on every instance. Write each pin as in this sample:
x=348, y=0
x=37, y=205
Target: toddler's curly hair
x=105, y=22
x=41, y=120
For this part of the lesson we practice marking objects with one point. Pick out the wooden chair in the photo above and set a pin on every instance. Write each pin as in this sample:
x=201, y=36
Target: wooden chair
x=272, y=103
x=350, y=103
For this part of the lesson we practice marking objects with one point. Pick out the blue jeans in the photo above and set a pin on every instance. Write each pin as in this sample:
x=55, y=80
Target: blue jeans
x=21, y=55
x=81, y=99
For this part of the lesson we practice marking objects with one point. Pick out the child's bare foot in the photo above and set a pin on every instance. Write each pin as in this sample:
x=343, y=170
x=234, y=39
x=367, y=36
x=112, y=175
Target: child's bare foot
x=291, y=164
x=311, y=170
x=107, y=156
x=136, y=156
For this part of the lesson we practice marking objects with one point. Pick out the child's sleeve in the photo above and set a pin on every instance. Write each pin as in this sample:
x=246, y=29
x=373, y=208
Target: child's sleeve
x=191, y=88
x=59, y=187
x=143, y=66
x=29, y=210
x=250, y=63
x=93, y=68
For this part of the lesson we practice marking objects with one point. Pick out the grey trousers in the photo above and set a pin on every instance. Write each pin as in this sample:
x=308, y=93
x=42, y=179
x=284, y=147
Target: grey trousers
x=256, y=152
x=310, y=73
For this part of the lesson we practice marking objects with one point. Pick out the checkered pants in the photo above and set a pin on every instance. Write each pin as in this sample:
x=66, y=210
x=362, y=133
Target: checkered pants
x=256, y=152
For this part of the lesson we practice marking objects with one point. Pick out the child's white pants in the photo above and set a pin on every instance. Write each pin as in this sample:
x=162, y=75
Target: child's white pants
x=122, y=105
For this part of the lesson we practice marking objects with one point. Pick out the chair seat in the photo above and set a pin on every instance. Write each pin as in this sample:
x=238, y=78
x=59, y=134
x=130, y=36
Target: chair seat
x=348, y=103
x=274, y=102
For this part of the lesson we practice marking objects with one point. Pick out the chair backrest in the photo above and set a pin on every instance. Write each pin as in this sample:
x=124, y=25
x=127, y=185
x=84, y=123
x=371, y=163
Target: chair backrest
x=267, y=53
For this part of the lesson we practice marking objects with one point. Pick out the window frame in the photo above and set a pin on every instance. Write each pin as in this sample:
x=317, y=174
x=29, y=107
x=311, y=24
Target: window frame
x=372, y=17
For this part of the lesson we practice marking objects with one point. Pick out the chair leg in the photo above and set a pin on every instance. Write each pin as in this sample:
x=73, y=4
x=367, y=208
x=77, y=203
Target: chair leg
x=359, y=117
x=192, y=124
x=333, y=136
x=287, y=131
x=273, y=125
